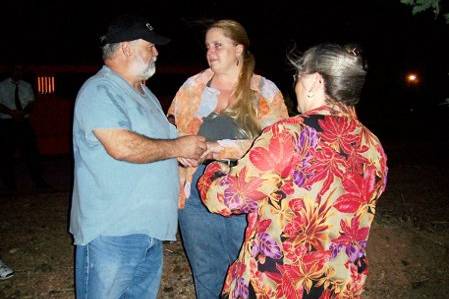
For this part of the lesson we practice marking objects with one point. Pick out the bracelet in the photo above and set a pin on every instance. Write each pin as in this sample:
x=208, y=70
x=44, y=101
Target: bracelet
x=230, y=163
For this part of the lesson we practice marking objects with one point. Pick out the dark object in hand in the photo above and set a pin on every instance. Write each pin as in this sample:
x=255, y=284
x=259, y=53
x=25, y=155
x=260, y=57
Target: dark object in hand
x=221, y=126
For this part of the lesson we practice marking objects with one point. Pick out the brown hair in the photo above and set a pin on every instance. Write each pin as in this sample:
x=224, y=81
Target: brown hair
x=243, y=111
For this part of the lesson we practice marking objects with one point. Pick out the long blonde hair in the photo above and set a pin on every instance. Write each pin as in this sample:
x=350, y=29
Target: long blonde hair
x=244, y=109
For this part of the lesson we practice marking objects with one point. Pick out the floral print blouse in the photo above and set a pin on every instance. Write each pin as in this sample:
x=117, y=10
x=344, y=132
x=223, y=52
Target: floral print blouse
x=195, y=100
x=309, y=186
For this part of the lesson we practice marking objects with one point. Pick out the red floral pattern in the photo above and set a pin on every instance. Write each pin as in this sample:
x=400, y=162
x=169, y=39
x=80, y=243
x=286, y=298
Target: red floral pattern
x=309, y=185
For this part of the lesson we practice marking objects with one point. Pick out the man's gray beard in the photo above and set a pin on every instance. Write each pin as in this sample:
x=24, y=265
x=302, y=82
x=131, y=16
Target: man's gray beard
x=150, y=71
x=142, y=70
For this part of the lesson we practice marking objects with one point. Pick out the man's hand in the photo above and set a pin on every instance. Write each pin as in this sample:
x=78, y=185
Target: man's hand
x=191, y=146
x=209, y=154
x=213, y=148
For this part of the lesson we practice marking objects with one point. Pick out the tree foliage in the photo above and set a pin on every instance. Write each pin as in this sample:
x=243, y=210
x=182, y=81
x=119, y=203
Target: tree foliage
x=419, y=6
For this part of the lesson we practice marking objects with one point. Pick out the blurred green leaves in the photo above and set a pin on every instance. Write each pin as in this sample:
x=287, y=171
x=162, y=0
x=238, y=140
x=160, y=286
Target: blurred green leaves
x=419, y=6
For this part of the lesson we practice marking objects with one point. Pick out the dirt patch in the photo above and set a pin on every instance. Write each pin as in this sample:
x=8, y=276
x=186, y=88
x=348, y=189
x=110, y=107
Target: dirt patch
x=408, y=247
x=406, y=263
x=36, y=244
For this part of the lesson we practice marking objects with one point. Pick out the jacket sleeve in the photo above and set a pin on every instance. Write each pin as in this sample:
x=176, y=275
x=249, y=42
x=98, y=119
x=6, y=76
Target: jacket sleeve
x=256, y=178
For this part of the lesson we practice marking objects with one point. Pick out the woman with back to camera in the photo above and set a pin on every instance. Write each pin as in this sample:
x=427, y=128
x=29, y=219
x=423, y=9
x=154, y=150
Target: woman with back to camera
x=229, y=105
x=309, y=185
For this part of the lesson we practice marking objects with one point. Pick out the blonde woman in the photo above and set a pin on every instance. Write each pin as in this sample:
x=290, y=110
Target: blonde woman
x=230, y=105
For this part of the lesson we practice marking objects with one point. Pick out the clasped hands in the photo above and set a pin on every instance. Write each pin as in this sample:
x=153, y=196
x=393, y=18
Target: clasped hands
x=196, y=150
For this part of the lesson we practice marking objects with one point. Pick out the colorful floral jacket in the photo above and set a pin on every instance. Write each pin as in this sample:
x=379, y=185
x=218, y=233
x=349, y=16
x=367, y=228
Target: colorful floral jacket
x=195, y=101
x=309, y=185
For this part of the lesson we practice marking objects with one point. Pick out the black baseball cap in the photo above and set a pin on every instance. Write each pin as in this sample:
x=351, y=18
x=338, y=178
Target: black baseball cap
x=128, y=28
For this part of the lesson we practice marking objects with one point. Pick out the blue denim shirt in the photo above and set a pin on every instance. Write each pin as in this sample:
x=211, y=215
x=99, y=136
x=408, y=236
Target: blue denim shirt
x=112, y=197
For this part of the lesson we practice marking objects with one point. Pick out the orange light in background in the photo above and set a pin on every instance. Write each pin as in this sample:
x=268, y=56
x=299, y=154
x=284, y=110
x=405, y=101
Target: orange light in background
x=412, y=78
x=46, y=84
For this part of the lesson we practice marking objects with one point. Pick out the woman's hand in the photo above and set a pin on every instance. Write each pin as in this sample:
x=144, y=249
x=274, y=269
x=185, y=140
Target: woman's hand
x=188, y=162
x=213, y=148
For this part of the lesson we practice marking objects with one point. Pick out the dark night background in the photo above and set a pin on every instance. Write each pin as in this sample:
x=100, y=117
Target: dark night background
x=394, y=42
x=409, y=243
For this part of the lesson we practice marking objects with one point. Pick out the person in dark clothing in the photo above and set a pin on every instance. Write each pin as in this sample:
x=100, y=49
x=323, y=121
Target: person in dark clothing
x=16, y=133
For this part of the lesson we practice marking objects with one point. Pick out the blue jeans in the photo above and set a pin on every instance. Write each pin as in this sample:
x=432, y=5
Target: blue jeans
x=212, y=242
x=113, y=267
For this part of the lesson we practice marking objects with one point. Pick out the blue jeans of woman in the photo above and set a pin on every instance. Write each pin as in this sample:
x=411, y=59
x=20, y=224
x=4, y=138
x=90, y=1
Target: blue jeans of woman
x=112, y=267
x=212, y=242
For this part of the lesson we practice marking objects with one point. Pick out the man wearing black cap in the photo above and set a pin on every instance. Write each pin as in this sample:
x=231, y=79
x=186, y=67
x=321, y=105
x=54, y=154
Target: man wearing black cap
x=124, y=201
